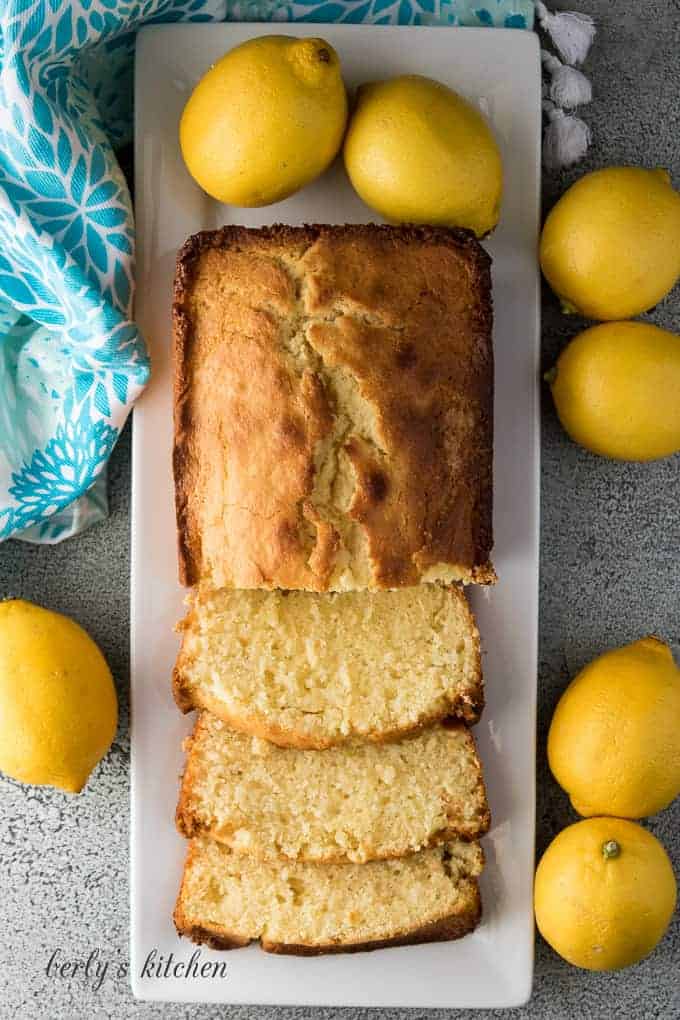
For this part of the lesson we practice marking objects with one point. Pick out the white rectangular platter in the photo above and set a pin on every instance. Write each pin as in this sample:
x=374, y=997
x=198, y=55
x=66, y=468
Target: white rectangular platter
x=500, y=69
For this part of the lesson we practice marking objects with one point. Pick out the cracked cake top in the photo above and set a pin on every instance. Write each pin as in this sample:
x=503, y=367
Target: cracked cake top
x=333, y=407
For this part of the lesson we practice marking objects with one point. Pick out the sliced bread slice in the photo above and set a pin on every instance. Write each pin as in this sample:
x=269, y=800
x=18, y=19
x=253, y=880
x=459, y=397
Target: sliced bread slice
x=227, y=900
x=313, y=670
x=356, y=802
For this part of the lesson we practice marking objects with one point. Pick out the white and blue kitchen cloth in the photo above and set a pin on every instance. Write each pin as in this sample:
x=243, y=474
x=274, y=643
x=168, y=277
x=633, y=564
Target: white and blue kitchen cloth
x=72, y=360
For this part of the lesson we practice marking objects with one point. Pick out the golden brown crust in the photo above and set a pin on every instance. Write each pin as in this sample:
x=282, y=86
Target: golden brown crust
x=290, y=321
x=204, y=937
x=181, y=692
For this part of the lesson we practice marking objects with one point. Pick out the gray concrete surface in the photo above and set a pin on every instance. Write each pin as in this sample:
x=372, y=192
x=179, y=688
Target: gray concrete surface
x=609, y=545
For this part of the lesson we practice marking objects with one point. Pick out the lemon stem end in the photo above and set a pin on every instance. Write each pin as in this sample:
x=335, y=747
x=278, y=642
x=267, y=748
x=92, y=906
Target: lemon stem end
x=611, y=849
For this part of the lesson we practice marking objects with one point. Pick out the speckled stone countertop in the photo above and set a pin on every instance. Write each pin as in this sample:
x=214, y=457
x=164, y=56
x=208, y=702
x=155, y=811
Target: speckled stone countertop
x=610, y=551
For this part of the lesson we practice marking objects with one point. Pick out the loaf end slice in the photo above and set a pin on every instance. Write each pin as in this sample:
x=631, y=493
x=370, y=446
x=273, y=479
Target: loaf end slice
x=227, y=900
x=312, y=671
x=333, y=407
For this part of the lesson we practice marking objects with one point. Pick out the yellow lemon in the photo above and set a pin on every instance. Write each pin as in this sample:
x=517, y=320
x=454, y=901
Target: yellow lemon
x=417, y=152
x=616, y=388
x=614, y=740
x=610, y=248
x=604, y=893
x=58, y=708
x=265, y=120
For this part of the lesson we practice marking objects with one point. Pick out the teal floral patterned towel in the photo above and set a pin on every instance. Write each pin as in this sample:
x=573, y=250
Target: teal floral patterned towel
x=72, y=360
x=485, y=13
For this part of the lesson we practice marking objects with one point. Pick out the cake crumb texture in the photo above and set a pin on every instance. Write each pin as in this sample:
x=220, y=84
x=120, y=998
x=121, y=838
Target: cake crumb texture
x=228, y=900
x=356, y=802
x=315, y=670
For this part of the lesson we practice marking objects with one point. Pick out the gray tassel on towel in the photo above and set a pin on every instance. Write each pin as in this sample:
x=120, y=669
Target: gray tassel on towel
x=566, y=137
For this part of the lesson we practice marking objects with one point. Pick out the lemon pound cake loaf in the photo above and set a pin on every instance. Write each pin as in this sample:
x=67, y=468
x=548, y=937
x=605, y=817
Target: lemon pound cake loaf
x=357, y=802
x=333, y=407
x=313, y=670
x=228, y=900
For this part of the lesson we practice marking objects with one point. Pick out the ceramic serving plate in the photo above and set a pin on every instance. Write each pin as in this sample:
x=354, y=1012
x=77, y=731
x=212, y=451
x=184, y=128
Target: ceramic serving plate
x=500, y=70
